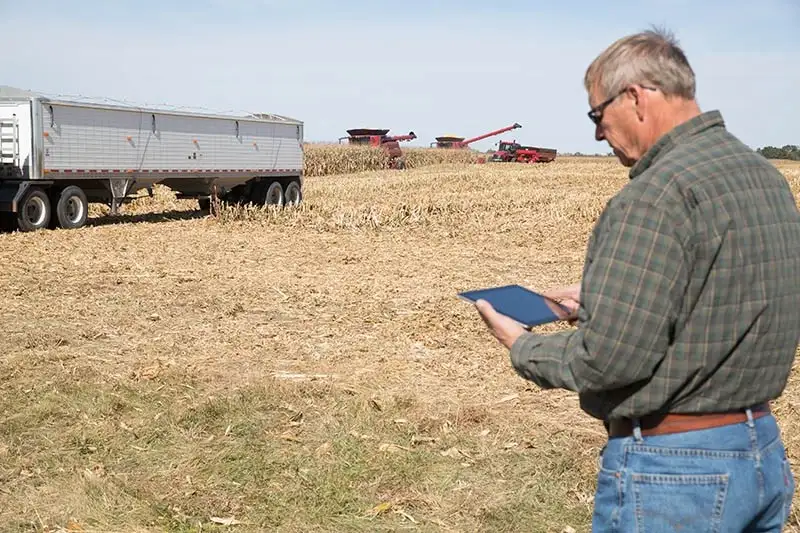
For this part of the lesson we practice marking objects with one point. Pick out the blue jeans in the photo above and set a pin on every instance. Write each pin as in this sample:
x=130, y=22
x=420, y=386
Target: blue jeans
x=728, y=479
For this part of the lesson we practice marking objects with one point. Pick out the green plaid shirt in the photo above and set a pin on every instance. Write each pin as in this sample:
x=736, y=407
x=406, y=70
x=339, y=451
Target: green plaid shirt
x=690, y=297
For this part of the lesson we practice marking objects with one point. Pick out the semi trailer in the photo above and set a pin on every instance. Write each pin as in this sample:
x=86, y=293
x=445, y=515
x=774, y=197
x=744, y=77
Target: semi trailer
x=59, y=154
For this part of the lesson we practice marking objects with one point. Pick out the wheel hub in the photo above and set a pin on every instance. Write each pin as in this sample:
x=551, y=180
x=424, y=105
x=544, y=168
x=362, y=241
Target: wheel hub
x=35, y=211
x=74, y=209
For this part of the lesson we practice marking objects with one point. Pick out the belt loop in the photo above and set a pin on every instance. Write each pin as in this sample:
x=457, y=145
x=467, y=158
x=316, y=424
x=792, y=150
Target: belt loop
x=750, y=421
x=637, y=430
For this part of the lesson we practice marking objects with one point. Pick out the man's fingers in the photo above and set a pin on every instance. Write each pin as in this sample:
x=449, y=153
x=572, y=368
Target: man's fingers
x=571, y=292
x=484, y=306
x=503, y=328
x=570, y=304
x=486, y=311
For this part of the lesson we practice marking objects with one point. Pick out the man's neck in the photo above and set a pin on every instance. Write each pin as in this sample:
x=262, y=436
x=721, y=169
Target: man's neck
x=666, y=117
x=671, y=114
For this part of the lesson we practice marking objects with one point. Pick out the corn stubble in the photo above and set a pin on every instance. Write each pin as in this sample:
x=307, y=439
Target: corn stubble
x=306, y=368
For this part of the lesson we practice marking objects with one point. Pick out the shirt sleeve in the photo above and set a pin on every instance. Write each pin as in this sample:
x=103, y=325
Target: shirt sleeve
x=631, y=295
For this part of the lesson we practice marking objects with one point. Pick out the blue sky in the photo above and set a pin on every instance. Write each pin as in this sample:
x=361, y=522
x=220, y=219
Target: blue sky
x=465, y=67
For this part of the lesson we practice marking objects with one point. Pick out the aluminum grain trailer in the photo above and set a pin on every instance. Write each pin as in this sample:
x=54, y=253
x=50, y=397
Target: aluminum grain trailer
x=57, y=155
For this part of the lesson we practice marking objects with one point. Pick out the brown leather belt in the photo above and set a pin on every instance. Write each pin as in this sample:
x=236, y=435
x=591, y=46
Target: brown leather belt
x=677, y=423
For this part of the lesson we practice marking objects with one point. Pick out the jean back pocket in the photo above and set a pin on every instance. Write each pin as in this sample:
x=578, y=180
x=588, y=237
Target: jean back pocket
x=689, y=502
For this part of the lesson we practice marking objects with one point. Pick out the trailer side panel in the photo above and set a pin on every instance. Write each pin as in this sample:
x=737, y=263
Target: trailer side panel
x=148, y=146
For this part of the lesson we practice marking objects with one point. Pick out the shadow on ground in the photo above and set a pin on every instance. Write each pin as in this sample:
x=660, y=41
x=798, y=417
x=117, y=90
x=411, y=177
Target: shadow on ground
x=8, y=223
x=151, y=218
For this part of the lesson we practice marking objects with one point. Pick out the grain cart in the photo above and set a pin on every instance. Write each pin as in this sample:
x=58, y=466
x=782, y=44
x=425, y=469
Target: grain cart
x=57, y=155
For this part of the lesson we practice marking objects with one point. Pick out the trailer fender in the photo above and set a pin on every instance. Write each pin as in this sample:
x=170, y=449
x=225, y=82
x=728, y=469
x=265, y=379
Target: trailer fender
x=11, y=192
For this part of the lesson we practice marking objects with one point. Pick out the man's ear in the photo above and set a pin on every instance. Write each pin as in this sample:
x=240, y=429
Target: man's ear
x=639, y=102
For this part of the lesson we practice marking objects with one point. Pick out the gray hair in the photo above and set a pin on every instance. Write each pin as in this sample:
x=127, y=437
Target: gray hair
x=651, y=57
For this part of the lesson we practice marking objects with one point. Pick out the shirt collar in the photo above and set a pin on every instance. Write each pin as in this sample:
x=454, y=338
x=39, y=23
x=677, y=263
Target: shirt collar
x=675, y=136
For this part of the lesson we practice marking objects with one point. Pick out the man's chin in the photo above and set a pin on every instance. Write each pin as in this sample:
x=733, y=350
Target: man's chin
x=626, y=161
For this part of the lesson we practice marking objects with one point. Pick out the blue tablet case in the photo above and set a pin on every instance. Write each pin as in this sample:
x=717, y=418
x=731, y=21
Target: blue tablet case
x=514, y=301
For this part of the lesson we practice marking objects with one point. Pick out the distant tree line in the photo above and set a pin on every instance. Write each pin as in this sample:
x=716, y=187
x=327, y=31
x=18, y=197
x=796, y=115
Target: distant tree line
x=790, y=151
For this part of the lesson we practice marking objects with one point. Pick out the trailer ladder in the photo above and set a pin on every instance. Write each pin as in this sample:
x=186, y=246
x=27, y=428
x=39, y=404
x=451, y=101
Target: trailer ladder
x=9, y=146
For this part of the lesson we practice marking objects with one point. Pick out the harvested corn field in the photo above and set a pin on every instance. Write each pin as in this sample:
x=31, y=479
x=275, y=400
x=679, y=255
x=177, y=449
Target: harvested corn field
x=305, y=369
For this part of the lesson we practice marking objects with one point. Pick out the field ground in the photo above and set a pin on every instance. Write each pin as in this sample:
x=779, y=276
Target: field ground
x=306, y=370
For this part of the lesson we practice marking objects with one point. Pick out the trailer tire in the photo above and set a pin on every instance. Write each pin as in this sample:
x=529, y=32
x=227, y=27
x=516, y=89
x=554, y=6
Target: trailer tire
x=204, y=204
x=293, y=194
x=34, y=210
x=72, y=208
x=274, y=194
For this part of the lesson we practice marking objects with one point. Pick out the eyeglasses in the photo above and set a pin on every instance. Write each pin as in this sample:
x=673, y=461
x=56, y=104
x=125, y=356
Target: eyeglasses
x=596, y=113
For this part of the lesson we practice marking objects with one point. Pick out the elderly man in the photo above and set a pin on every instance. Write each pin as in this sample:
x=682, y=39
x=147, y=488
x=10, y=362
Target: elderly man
x=688, y=313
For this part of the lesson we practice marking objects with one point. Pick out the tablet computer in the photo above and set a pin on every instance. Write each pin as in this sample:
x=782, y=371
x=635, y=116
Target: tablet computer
x=523, y=305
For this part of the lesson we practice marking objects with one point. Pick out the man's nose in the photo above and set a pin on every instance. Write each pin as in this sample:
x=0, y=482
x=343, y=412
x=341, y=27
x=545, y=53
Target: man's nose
x=598, y=133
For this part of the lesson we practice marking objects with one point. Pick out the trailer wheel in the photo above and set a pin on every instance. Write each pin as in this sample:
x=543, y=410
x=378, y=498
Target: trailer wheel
x=34, y=210
x=72, y=208
x=274, y=194
x=293, y=194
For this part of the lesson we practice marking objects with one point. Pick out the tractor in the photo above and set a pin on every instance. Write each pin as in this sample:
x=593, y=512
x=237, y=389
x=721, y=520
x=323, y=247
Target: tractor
x=513, y=152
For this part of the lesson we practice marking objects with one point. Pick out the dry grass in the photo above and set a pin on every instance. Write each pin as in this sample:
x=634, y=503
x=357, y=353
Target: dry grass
x=305, y=369
x=327, y=159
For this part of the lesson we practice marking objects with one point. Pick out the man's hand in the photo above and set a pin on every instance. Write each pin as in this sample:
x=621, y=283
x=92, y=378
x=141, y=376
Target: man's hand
x=569, y=297
x=505, y=329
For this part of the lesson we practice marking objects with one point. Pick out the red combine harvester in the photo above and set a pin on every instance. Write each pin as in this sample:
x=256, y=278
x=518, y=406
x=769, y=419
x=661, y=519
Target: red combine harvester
x=378, y=138
x=513, y=152
x=450, y=141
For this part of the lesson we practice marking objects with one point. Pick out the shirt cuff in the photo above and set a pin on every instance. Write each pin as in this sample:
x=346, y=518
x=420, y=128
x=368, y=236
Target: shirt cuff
x=542, y=359
x=521, y=350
